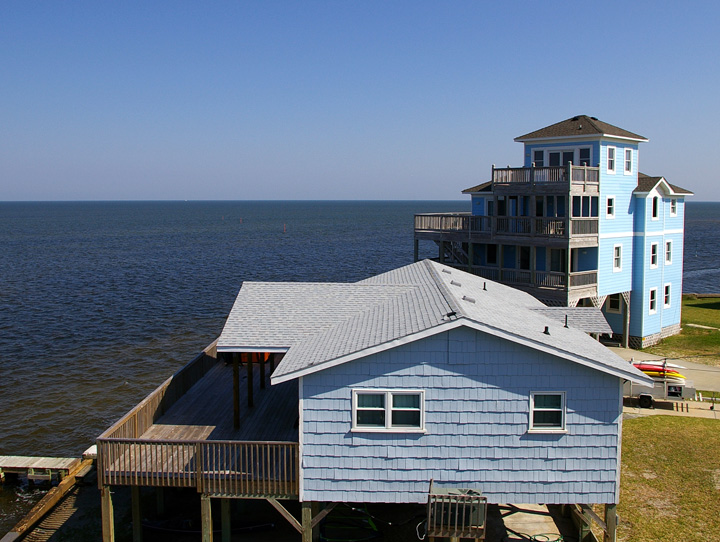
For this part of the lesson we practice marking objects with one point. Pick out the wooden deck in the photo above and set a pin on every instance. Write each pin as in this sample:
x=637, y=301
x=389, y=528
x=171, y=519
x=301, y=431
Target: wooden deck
x=183, y=435
x=205, y=412
x=37, y=468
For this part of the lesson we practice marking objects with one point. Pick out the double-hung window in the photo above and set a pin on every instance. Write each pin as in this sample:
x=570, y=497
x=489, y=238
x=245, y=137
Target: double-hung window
x=611, y=159
x=628, y=161
x=653, y=300
x=666, y=296
x=668, y=252
x=673, y=207
x=547, y=411
x=539, y=158
x=610, y=213
x=613, y=303
x=617, y=258
x=653, y=255
x=655, y=208
x=388, y=410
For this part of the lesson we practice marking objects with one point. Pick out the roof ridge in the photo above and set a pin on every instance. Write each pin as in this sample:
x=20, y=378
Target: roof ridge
x=444, y=291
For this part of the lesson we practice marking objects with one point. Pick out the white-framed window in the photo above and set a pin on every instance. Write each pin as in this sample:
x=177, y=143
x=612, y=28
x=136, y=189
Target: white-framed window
x=610, y=208
x=611, y=159
x=547, y=411
x=628, y=161
x=539, y=158
x=668, y=252
x=653, y=300
x=617, y=258
x=614, y=304
x=666, y=296
x=655, y=208
x=653, y=255
x=673, y=207
x=388, y=410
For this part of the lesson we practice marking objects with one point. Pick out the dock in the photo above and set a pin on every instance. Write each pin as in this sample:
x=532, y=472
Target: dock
x=37, y=469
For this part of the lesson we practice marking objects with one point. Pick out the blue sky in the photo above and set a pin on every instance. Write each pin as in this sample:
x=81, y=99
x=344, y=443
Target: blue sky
x=339, y=100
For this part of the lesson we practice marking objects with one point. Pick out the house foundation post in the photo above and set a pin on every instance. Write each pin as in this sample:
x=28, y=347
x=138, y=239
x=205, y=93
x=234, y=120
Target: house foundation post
x=262, y=358
x=236, y=390
x=626, y=319
x=160, y=500
x=416, y=250
x=471, y=256
x=250, y=359
x=108, y=522
x=610, y=523
x=441, y=252
x=206, y=518
x=136, y=517
x=306, y=521
x=225, y=519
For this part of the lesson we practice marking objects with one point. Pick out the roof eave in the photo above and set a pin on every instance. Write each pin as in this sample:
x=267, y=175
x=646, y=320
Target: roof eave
x=523, y=139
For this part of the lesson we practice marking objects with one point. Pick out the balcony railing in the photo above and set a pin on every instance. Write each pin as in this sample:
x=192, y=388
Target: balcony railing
x=546, y=175
x=241, y=469
x=537, y=279
x=488, y=226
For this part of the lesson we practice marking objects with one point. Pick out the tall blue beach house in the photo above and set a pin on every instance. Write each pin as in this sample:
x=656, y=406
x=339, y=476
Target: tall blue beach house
x=577, y=225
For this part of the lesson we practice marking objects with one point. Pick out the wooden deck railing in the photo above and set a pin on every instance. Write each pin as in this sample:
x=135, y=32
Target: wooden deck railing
x=241, y=469
x=488, y=226
x=579, y=175
x=140, y=418
x=456, y=514
x=544, y=279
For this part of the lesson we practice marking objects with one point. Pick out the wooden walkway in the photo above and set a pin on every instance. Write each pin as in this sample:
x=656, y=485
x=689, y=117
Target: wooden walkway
x=205, y=412
x=37, y=468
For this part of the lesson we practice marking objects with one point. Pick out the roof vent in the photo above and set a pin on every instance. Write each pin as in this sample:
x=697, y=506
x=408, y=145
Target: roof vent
x=566, y=321
x=547, y=330
x=455, y=283
x=575, y=119
x=447, y=271
x=484, y=286
x=469, y=299
x=594, y=118
x=450, y=315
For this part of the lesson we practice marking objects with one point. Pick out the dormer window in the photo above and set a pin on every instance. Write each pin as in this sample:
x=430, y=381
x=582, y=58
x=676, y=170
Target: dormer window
x=611, y=159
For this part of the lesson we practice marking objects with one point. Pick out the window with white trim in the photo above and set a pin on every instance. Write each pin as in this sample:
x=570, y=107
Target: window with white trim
x=547, y=411
x=388, y=410
x=610, y=212
x=666, y=296
x=655, y=208
x=653, y=255
x=653, y=300
x=628, y=161
x=673, y=207
x=539, y=158
x=613, y=304
x=668, y=252
x=611, y=159
x=617, y=258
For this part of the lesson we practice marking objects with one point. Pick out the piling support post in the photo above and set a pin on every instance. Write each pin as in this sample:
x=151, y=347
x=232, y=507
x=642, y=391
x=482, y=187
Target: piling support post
x=108, y=522
x=136, y=517
x=236, y=390
x=206, y=518
x=262, y=358
x=225, y=519
x=416, y=250
x=610, y=523
x=250, y=361
x=306, y=520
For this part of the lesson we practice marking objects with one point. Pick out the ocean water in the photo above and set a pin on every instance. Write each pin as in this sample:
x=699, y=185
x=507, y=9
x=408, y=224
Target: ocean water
x=101, y=301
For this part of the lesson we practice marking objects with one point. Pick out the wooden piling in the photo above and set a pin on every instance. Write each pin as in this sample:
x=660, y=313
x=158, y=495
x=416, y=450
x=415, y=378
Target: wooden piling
x=108, y=522
x=136, y=516
x=206, y=518
x=236, y=390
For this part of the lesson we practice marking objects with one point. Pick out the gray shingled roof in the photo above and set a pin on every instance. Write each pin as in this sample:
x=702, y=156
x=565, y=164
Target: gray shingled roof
x=581, y=125
x=587, y=319
x=646, y=183
x=324, y=324
x=484, y=187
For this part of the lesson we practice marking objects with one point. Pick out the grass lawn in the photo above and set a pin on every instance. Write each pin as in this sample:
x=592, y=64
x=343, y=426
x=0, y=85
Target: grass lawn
x=698, y=345
x=670, y=484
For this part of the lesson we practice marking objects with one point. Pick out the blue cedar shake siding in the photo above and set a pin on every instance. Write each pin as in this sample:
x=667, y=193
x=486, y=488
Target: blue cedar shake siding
x=477, y=391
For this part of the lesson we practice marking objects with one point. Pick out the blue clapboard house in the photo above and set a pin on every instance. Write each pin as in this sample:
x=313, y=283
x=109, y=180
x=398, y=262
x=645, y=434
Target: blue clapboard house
x=576, y=225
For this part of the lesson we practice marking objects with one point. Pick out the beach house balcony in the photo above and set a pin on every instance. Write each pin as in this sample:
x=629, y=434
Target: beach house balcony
x=206, y=427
